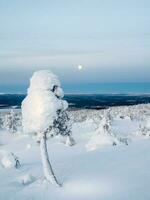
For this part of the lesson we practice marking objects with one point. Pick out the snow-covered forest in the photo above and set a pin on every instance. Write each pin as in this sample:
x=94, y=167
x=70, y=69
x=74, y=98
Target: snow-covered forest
x=110, y=159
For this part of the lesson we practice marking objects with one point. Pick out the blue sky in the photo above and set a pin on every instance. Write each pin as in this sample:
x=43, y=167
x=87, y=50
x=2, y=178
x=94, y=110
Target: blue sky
x=110, y=38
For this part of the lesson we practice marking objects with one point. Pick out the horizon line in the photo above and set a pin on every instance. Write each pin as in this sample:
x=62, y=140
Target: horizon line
x=87, y=93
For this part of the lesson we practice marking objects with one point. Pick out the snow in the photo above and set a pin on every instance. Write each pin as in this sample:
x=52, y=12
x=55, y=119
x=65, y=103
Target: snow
x=39, y=108
x=119, y=172
x=29, y=146
x=43, y=80
x=8, y=161
x=99, y=140
x=69, y=141
x=59, y=92
x=38, y=114
x=26, y=179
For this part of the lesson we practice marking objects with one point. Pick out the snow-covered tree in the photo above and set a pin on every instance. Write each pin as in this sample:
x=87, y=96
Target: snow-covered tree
x=42, y=111
x=10, y=121
x=1, y=121
x=62, y=126
x=144, y=126
x=101, y=136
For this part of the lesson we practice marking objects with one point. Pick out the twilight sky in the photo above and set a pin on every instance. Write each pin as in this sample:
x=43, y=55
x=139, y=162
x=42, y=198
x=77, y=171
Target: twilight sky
x=110, y=38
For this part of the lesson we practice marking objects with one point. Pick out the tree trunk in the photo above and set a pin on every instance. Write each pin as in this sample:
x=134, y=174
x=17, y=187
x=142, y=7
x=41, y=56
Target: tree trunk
x=48, y=171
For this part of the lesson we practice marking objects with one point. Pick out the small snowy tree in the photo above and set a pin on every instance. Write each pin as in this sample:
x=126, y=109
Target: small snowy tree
x=10, y=122
x=62, y=126
x=144, y=126
x=1, y=121
x=42, y=111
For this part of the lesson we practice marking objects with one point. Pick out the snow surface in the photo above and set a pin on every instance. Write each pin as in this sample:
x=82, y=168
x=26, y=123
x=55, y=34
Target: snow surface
x=119, y=172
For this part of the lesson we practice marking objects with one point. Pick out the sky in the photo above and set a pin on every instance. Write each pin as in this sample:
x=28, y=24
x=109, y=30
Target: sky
x=109, y=38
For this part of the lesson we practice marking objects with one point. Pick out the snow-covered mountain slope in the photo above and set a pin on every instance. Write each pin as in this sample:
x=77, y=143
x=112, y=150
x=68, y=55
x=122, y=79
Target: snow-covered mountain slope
x=103, y=172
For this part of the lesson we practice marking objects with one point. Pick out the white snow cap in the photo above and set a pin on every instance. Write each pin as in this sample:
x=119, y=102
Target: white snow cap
x=39, y=108
x=44, y=80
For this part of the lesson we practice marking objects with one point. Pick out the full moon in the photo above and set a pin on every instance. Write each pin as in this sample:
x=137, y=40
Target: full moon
x=80, y=67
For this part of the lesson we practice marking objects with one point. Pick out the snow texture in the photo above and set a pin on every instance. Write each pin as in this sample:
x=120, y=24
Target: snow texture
x=43, y=80
x=39, y=108
x=10, y=160
x=26, y=179
x=108, y=172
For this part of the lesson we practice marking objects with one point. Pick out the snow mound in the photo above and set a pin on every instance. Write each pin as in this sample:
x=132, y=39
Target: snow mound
x=29, y=146
x=8, y=161
x=26, y=179
x=100, y=140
